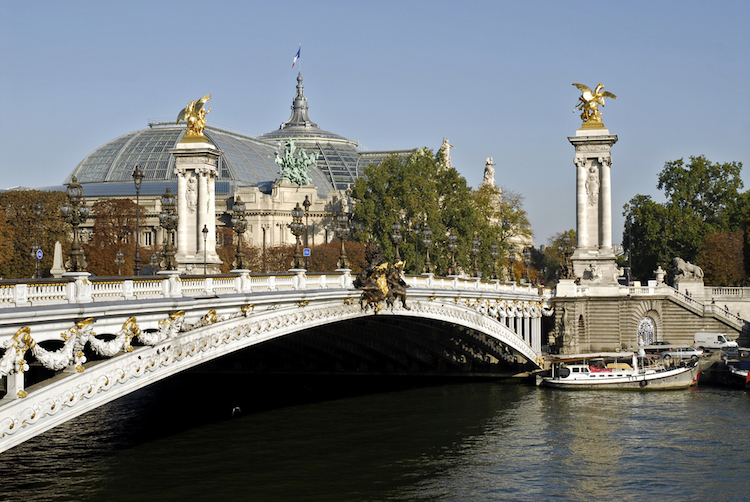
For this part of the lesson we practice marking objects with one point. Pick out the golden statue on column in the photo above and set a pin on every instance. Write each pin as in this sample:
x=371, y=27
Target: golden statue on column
x=195, y=115
x=589, y=102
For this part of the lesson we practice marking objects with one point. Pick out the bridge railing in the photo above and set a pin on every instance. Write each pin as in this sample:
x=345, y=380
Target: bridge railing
x=83, y=288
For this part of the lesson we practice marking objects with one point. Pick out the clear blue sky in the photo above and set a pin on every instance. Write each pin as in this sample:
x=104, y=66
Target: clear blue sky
x=493, y=77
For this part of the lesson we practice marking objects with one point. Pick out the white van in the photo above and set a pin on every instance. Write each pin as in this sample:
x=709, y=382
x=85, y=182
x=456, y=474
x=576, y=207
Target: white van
x=706, y=340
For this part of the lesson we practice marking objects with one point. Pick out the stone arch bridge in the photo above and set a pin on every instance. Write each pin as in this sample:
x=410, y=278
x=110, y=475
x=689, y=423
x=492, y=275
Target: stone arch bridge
x=69, y=346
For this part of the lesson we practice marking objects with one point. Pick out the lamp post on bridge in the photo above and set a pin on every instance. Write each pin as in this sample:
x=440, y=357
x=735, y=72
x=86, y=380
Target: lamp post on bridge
x=306, y=204
x=168, y=219
x=38, y=208
x=119, y=261
x=453, y=247
x=427, y=241
x=396, y=237
x=511, y=259
x=341, y=231
x=494, y=255
x=296, y=228
x=75, y=212
x=138, y=179
x=205, y=241
x=527, y=263
x=239, y=224
x=476, y=244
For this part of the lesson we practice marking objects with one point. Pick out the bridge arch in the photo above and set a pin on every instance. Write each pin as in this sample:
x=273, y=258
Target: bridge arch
x=436, y=334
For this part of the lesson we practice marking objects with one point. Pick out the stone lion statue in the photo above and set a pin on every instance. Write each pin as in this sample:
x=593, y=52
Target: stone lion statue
x=687, y=270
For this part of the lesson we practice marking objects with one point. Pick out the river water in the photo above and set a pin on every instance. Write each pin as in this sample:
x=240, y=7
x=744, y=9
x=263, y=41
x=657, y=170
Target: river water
x=328, y=441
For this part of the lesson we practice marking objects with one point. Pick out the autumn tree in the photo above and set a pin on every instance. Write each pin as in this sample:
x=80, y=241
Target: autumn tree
x=18, y=231
x=113, y=231
x=721, y=258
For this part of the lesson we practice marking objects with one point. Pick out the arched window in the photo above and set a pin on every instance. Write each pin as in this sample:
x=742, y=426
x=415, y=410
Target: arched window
x=647, y=330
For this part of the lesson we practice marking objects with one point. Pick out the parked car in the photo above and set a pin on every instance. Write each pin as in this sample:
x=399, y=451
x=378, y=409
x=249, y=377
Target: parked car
x=681, y=353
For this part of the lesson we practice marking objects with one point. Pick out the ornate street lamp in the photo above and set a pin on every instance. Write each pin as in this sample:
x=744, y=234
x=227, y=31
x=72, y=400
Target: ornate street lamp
x=154, y=262
x=264, y=227
x=168, y=219
x=138, y=179
x=239, y=224
x=427, y=241
x=396, y=237
x=205, y=245
x=75, y=212
x=342, y=230
x=307, y=205
x=565, y=251
x=38, y=212
x=494, y=255
x=119, y=261
x=527, y=263
x=297, y=228
x=476, y=245
x=452, y=246
x=511, y=259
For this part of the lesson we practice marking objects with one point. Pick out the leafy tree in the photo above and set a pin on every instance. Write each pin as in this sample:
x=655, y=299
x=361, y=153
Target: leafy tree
x=702, y=198
x=417, y=190
x=551, y=265
x=19, y=234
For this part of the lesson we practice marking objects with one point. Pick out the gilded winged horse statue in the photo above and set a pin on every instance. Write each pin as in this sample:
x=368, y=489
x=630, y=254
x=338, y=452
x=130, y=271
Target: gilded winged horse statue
x=195, y=116
x=589, y=102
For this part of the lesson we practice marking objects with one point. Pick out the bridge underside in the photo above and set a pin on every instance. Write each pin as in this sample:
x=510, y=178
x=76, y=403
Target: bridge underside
x=379, y=345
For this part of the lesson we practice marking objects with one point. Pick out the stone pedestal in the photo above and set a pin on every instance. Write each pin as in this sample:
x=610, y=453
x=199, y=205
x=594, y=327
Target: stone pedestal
x=694, y=288
x=594, y=259
x=195, y=166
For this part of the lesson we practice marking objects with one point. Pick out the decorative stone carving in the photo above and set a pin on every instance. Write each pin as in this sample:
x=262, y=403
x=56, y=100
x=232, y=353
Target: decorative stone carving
x=489, y=172
x=191, y=196
x=592, y=186
x=686, y=270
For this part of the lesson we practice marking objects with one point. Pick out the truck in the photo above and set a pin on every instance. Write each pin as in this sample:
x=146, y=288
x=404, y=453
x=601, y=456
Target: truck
x=705, y=340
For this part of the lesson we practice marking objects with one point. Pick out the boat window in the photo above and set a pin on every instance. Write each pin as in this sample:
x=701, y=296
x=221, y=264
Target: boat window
x=576, y=370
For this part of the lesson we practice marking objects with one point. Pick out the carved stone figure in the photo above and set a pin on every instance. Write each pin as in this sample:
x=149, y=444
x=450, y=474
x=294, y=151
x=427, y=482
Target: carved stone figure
x=589, y=102
x=445, y=149
x=686, y=270
x=489, y=172
x=595, y=274
x=195, y=116
x=592, y=186
x=192, y=193
x=295, y=169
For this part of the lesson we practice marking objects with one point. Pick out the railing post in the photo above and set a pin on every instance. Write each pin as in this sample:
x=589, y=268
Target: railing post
x=346, y=279
x=14, y=386
x=209, y=284
x=127, y=289
x=299, y=279
x=82, y=288
x=272, y=283
x=20, y=295
x=322, y=282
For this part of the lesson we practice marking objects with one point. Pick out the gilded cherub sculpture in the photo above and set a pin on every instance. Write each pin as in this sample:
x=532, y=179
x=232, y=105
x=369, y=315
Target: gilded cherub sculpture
x=195, y=116
x=589, y=102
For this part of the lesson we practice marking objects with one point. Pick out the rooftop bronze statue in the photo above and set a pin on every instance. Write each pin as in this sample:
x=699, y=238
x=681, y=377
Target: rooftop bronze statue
x=295, y=168
x=195, y=115
x=589, y=102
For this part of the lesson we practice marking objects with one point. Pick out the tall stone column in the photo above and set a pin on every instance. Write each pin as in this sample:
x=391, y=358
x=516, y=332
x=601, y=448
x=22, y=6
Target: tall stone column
x=196, y=167
x=182, y=223
x=593, y=259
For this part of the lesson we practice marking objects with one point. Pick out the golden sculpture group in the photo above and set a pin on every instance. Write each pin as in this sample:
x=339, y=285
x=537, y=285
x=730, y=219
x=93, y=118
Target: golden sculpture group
x=195, y=115
x=589, y=102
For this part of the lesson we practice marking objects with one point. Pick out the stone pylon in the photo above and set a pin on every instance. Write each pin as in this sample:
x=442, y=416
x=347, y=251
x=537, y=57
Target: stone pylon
x=195, y=166
x=594, y=258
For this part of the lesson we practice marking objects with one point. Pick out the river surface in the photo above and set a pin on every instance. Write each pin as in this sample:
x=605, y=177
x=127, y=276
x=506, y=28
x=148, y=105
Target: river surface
x=177, y=440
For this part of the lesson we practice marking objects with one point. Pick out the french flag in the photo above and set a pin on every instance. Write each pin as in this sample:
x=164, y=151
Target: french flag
x=296, y=57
